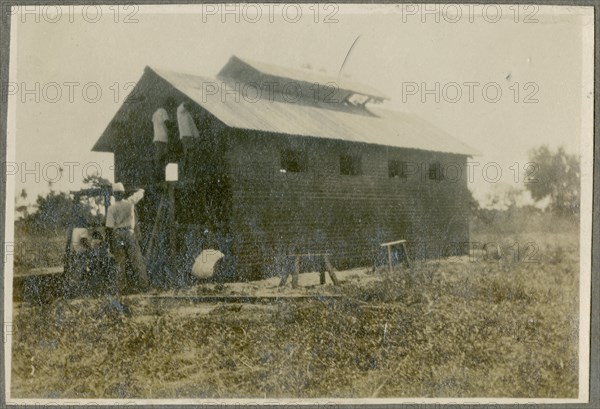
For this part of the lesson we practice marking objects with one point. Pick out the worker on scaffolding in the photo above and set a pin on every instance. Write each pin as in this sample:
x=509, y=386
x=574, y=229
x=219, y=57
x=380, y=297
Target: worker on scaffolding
x=189, y=134
x=162, y=123
x=120, y=223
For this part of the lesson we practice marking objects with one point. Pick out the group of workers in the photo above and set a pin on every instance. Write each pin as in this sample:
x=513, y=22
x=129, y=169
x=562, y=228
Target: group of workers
x=120, y=217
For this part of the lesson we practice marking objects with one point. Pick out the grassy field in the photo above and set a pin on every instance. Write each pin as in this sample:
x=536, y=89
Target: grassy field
x=443, y=328
x=38, y=249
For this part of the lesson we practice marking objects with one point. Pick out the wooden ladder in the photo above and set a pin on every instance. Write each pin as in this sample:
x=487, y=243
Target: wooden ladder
x=165, y=219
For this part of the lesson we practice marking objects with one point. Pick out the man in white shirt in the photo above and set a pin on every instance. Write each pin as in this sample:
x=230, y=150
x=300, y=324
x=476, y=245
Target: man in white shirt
x=160, y=122
x=120, y=223
x=189, y=134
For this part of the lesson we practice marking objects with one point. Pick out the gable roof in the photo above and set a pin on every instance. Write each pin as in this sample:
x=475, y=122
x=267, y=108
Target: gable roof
x=385, y=127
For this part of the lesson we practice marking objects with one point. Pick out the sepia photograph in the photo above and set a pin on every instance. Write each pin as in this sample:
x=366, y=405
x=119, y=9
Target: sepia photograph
x=298, y=204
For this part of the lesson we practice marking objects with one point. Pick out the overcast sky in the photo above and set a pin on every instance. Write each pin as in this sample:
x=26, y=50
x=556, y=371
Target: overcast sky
x=395, y=50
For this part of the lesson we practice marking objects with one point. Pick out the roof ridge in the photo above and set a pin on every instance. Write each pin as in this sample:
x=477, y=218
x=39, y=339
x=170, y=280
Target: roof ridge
x=302, y=75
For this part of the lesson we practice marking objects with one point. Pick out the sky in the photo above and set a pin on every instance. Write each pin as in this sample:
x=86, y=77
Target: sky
x=533, y=55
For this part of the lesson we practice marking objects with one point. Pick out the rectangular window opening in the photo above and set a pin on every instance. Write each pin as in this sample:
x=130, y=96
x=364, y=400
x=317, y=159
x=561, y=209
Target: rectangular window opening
x=294, y=161
x=350, y=165
x=435, y=171
x=397, y=169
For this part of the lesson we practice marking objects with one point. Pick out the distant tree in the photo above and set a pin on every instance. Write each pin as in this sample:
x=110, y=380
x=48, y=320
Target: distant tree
x=56, y=209
x=53, y=210
x=23, y=209
x=96, y=180
x=556, y=176
x=97, y=203
x=504, y=196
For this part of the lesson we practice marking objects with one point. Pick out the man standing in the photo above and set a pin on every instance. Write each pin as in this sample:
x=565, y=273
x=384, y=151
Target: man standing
x=160, y=121
x=188, y=132
x=120, y=223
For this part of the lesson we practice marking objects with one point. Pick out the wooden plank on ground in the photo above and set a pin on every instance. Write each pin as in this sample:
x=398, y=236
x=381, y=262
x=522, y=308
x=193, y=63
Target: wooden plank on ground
x=243, y=299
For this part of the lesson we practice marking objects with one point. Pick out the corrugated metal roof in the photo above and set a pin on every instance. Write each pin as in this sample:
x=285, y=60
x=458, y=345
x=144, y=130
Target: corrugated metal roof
x=388, y=128
x=306, y=76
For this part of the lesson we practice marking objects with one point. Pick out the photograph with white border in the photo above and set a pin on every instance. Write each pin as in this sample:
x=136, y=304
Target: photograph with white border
x=298, y=204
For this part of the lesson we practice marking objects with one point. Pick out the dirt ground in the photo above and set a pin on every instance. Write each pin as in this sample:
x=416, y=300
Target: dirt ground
x=457, y=327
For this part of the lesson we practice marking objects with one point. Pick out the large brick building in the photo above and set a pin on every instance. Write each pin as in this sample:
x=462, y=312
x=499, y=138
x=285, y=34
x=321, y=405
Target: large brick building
x=287, y=164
